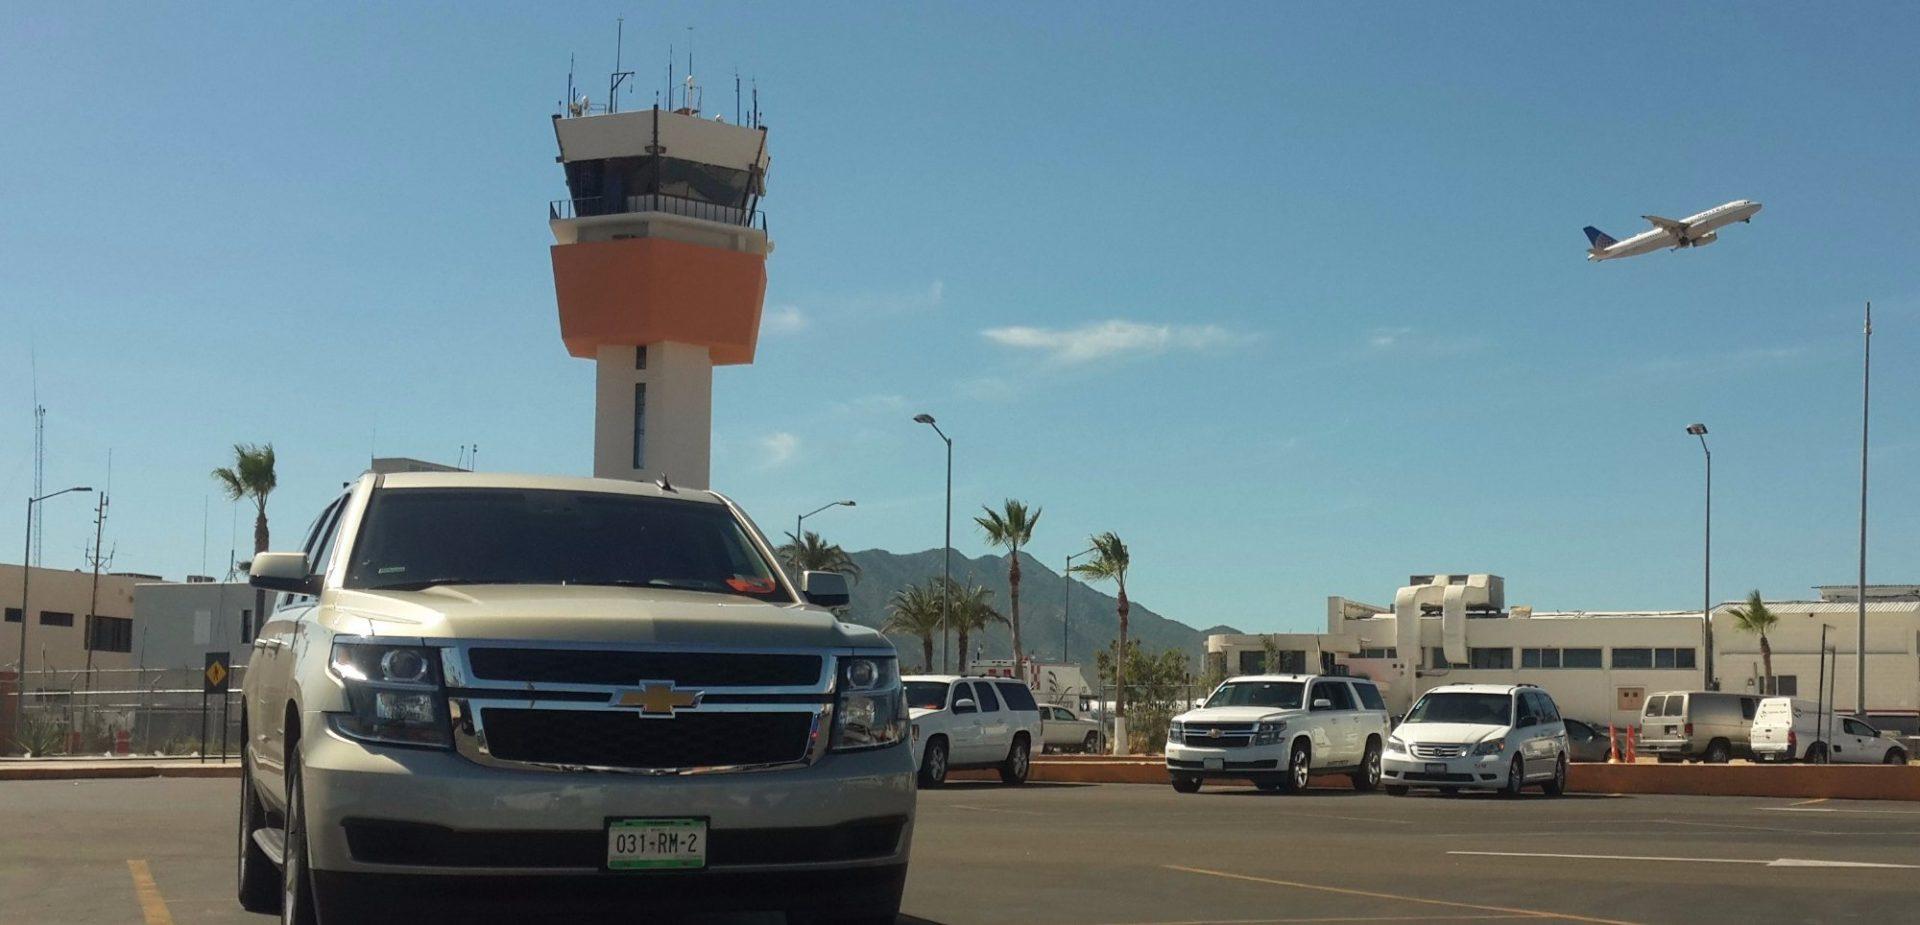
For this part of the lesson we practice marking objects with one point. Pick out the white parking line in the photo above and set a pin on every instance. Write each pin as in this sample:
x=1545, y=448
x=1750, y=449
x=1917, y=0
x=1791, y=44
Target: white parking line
x=1829, y=809
x=1776, y=862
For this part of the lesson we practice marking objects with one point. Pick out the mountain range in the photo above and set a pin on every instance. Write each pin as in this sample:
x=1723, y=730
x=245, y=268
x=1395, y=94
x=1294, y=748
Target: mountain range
x=1092, y=623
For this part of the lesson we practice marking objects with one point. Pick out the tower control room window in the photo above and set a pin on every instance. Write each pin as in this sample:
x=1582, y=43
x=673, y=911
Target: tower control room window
x=640, y=357
x=639, y=425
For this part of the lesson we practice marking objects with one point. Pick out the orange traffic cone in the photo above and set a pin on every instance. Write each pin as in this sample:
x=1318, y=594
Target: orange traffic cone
x=1633, y=757
x=1613, y=746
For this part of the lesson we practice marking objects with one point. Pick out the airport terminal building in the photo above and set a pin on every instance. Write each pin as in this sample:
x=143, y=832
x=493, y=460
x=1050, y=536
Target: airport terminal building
x=1600, y=666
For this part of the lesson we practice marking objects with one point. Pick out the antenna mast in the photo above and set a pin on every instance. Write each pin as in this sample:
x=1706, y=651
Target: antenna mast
x=618, y=76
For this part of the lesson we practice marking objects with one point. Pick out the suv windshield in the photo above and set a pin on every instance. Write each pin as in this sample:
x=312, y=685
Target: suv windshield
x=927, y=695
x=1480, y=709
x=414, y=538
x=1282, y=694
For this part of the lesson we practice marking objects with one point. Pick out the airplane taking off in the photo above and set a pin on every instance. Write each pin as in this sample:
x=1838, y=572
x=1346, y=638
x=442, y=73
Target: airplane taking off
x=1697, y=230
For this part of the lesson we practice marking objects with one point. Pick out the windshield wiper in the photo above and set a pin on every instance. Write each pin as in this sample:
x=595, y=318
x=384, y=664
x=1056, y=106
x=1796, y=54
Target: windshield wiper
x=425, y=583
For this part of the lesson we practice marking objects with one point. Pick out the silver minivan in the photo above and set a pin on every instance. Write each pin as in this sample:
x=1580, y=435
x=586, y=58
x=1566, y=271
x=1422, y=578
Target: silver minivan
x=1710, y=726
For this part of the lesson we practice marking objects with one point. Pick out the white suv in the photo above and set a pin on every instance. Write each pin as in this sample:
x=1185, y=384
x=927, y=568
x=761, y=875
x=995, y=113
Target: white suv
x=963, y=723
x=1479, y=737
x=1279, y=730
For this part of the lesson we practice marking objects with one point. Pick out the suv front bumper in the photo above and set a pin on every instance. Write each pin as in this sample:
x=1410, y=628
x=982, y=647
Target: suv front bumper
x=1193, y=761
x=391, y=815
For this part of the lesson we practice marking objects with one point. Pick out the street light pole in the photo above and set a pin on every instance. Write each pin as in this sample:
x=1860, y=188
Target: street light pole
x=1066, y=612
x=26, y=582
x=798, y=521
x=946, y=587
x=1706, y=581
x=1860, y=640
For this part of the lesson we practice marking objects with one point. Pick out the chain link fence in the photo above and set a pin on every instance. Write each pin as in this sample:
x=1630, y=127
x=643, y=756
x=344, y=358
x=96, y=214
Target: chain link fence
x=121, y=711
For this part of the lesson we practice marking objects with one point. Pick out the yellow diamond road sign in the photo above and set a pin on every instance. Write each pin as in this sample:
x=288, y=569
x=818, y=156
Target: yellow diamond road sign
x=216, y=673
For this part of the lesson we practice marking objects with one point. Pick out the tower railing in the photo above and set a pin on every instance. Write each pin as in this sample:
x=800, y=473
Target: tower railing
x=656, y=202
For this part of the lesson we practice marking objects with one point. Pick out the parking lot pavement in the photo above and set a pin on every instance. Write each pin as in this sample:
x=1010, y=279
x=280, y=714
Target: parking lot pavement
x=161, y=851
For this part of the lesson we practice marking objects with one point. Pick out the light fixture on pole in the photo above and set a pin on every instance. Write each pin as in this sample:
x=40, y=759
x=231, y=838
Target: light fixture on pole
x=946, y=586
x=1706, y=580
x=798, y=521
x=26, y=580
x=1066, y=610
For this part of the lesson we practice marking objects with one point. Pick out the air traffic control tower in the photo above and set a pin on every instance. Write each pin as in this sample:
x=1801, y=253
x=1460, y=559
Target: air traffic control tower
x=659, y=268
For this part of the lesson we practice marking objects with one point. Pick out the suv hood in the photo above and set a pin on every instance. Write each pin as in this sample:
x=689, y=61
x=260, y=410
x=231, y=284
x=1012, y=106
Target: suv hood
x=1448, y=733
x=591, y=614
x=1235, y=714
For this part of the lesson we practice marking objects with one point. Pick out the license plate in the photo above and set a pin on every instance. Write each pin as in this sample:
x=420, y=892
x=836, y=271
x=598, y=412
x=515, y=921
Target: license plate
x=1214, y=764
x=1436, y=769
x=656, y=844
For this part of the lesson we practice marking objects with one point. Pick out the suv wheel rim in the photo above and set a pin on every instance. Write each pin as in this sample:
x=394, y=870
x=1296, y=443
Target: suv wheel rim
x=937, y=763
x=1299, y=768
x=1373, y=766
x=296, y=849
x=1020, y=760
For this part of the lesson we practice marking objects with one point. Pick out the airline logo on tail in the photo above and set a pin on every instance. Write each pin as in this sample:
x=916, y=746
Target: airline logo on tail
x=1600, y=241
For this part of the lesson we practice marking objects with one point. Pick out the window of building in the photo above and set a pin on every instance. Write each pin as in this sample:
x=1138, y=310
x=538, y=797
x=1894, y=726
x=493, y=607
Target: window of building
x=1388, y=652
x=639, y=425
x=1786, y=685
x=246, y=626
x=55, y=618
x=1539, y=658
x=1290, y=661
x=1579, y=658
x=1633, y=658
x=1490, y=658
x=1439, y=658
x=1673, y=658
x=1253, y=662
x=640, y=357
x=110, y=634
x=13, y=614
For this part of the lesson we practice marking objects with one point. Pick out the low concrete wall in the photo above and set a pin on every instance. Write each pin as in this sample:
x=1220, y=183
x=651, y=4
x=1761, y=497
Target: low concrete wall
x=1856, y=782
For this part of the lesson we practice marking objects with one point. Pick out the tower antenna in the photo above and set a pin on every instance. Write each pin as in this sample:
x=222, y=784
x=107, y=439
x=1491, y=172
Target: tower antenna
x=736, y=96
x=669, y=76
x=619, y=76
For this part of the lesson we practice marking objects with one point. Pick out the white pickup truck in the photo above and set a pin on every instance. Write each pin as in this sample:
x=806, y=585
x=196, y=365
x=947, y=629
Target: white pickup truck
x=1279, y=730
x=481, y=694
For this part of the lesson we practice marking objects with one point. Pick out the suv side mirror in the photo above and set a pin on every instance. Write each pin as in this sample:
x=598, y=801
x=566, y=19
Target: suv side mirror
x=963, y=705
x=1322, y=703
x=283, y=571
x=825, y=589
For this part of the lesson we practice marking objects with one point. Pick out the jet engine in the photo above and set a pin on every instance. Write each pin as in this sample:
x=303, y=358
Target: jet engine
x=1704, y=240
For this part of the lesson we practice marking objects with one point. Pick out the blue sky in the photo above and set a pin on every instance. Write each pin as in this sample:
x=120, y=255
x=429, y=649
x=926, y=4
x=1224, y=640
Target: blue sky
x=1291, y=297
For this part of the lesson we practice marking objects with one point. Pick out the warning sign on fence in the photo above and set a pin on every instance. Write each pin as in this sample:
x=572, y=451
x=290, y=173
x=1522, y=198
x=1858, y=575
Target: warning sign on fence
x=217, y=674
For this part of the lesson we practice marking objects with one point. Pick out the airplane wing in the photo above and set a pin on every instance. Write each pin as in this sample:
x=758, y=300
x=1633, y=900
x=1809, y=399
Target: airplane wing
x=1677, y=229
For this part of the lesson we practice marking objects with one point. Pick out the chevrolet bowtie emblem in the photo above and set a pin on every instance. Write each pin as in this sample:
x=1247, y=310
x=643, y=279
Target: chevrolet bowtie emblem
x=1213, y=733
x=657, y=698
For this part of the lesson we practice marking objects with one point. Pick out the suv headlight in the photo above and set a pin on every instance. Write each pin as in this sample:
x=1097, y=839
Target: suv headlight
x=394, y=694
x=1176, y=732
x=1268, y=732
x=1396, y=746
x=871, y=709
x=1491, y=747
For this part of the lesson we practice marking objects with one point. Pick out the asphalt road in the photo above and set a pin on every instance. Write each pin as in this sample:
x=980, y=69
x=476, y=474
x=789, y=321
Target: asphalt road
x=155, y=851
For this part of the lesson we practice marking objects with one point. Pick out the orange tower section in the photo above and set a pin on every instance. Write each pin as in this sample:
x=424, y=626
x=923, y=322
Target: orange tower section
x=659, y=268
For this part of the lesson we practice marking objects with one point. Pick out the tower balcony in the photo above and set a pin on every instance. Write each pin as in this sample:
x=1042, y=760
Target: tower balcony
x=599, y=206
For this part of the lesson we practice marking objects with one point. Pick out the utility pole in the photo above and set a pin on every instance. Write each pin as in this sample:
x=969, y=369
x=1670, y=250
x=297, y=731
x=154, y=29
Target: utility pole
x=1860, y=640
x=90, y=631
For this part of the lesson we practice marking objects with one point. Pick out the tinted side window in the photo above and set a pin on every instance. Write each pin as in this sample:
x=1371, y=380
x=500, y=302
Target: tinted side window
x=983, y=695
x=1655, y=704
x=1334, y=691
x=1676, y=705
x=1549, y=711
x=1856, y=727
x=1017, y=695
x=1747, y=707
x=1370, y=697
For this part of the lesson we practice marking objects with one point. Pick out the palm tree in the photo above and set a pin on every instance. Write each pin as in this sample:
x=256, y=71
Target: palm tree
x=250, y=476
x=1756, y=618
x=915, y=610
x=1011, y=527
x=810, y=553
x=972, y=613
x=1110, y=563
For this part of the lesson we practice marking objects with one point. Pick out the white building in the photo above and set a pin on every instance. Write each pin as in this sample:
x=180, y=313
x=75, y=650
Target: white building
x=1599, y=666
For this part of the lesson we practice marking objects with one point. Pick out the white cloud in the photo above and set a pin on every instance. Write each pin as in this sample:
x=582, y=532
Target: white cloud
x=780, y=448
x=1414, y=339
x=1387, y=338
x=1102, y=340
x=783, y=319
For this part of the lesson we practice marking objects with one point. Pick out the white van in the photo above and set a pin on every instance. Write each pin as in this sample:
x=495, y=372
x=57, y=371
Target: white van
x=1788, y=729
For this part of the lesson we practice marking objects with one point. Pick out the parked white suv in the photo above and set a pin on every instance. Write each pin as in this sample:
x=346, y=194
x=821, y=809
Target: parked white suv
x=1787, y=729
x=484, y=693
x=1279, y=730
x=961, y=723
x=1479, y=737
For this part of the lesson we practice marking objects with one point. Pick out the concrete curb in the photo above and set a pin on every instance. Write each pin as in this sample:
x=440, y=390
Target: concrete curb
x=1861, y=782
x=112, y=770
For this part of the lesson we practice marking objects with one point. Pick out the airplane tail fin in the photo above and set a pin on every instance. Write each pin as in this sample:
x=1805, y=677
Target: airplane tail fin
x=1599, y=239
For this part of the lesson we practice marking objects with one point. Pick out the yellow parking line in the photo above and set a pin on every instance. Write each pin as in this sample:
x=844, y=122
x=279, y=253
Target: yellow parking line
x=152, y=907
x=1344, y=919
x=1529, y=913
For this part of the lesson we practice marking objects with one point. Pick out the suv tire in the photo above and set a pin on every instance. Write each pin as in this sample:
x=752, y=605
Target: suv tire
x=1396, y=790
x=1718, y=751
x=259, y=878
x=1817, y=753
x=296, y=882
x=933, y=762
x=1183, y=783
x=1299, y=767
x=1367, y=778
x=1019, y=762
x=1092, y=745
x=1516, y=777
x=1895, y=756
x=1558, y=785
